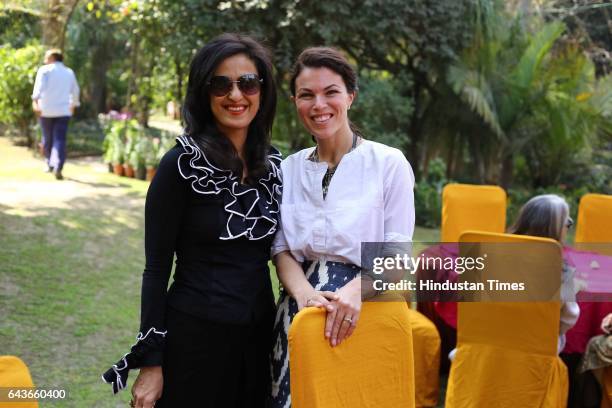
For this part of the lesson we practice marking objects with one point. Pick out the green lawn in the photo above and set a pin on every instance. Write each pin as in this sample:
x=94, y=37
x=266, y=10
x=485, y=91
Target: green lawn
x=70, y=264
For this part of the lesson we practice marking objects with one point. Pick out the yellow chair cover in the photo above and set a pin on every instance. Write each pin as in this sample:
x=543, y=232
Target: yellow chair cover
x=606, y=395
x=594, y=222
x=371, y=369
x=14, y=373
x=507, y=351
x=426, y=343
x=473, y=207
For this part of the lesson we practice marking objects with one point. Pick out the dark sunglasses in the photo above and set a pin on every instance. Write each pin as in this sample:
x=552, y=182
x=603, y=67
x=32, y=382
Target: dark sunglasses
x=569, y=223
x=249, y=84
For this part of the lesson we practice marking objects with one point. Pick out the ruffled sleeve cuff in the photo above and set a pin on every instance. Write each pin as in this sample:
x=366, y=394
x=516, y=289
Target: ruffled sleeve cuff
x=147, y=351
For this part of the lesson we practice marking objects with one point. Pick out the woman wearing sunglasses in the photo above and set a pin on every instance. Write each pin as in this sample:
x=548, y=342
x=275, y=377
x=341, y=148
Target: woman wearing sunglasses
x=345, y=191
x=214, y=205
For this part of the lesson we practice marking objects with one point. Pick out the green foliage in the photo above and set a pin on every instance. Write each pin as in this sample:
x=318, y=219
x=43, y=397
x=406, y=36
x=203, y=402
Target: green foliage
x=119, y=139
x=126, y=141
x=118, y=152
x=18, y=28
x=17, y=75
x=428, y=195
x=380, y=111
x=538, y=107
x=492, y=89
x=149, y=152
x=588, y=22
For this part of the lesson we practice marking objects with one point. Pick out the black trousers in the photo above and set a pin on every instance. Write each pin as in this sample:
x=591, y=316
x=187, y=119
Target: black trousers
x=214, y=365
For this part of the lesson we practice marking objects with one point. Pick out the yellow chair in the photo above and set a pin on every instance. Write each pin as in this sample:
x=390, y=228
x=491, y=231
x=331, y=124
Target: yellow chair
x=466, y=207
x=374, y=367
x=594, y=222
x=472, y=207
x=507, y=351
x=606, y=397
x=14, y=373
x=426, y=346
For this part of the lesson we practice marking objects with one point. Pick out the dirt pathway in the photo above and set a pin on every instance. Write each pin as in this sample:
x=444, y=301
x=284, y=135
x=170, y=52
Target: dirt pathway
x=24, y=184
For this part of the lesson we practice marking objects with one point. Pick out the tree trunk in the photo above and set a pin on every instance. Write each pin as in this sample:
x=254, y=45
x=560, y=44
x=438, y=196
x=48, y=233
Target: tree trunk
x=414, y=151
x=132, y=84
x=414, y=146
x=450, y=161
x=507, y=171
x=179, y=88
x=54, y=22
x=25, y=130
x=144, y=91
x=479, y=159
x=98, y=85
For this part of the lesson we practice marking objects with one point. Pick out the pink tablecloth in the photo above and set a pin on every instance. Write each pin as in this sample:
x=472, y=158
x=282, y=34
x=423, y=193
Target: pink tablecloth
x=594, y=269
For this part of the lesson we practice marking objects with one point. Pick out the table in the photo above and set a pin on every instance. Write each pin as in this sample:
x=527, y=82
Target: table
x=595, y=299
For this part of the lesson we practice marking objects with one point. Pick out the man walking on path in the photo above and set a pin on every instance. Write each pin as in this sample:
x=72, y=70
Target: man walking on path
x=55, y=96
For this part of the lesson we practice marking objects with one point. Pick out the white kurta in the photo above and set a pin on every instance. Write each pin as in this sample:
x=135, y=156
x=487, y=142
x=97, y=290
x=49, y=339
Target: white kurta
x=370, y=199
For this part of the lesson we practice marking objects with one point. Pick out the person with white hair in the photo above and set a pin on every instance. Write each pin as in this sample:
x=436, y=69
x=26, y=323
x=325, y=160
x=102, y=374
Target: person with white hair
x=548, y=216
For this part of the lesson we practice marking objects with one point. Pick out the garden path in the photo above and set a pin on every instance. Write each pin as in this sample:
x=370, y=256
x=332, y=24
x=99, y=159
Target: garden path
x=24, y=185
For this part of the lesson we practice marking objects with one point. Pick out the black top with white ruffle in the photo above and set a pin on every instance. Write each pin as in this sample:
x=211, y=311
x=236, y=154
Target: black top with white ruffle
x=220, y=231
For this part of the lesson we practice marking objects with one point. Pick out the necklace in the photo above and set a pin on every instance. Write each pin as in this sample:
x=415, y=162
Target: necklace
x=331, y=170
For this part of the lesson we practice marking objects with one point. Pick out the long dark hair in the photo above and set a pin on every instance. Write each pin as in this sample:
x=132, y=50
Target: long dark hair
x=199, y=120
x=333, y=59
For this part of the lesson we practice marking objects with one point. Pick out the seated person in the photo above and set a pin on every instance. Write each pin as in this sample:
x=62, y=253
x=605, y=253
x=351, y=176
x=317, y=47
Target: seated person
x=598, y=354
x=547, y=216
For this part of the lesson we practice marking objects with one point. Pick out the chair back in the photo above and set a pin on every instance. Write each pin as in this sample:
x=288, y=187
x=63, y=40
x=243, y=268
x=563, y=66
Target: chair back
x=372, y=368
x=472, y=207
x=15, y=374
x=507, y=351
x=594, y=222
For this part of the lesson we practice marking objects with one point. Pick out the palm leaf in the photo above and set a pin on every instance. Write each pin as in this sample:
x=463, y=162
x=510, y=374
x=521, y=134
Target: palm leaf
x=474, y=89
x=531, y=59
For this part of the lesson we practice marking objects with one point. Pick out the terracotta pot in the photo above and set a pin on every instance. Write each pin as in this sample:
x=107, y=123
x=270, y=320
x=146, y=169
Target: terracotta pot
x=150, y=173
x=118, y=169
x=129, y=170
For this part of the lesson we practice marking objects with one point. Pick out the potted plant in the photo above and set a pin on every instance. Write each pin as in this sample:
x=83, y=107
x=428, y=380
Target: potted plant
x=150, y=158
x=111, y=136
x=139, y=162
x=132, y=135
x=107, y=156
x=118, y=156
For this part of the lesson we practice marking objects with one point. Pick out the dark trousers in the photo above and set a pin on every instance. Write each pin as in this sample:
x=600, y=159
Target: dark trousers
x=54, y=132
x=215, y=365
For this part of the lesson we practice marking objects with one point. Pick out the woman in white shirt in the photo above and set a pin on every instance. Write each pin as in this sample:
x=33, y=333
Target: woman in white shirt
x=345, y=191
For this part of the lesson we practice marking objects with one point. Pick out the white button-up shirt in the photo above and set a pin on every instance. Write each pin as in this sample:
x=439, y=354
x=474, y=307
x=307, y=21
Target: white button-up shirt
x=370, y=199
x=56, y=89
